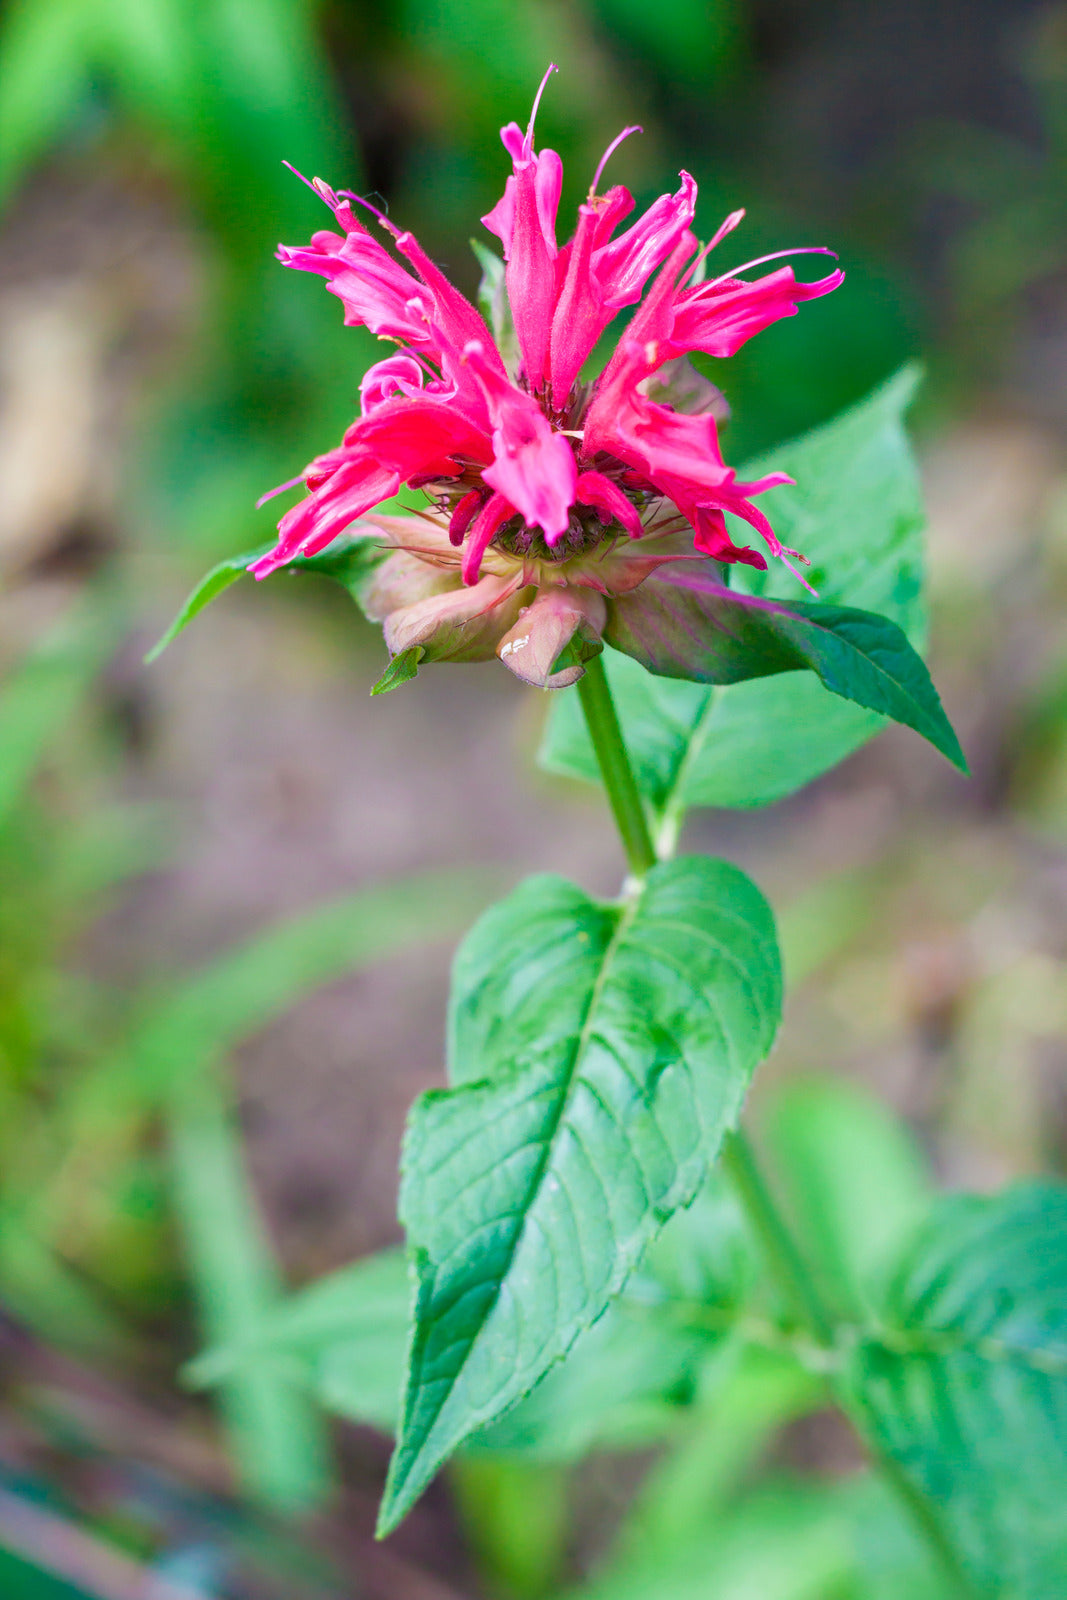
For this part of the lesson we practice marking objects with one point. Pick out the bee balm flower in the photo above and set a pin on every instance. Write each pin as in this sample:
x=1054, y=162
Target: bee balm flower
x=548, y=496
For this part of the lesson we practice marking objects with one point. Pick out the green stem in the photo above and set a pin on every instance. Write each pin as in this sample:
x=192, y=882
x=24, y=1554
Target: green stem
x=783, y=1256
x=623, y=794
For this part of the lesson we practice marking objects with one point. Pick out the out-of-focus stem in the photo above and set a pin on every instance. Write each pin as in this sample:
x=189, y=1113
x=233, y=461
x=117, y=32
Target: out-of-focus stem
x=783, y=1256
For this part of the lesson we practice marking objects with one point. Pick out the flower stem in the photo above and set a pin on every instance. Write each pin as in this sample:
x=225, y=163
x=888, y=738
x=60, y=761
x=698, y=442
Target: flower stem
x=783, y=1256
x=623, y=794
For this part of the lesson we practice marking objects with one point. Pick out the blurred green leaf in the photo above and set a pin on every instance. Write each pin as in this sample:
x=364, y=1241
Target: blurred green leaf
x=516, y=1515
x=743, y=1403
x=49, y=1295
x=622, y=1385
x=45, y=47
x=854, y=1179
x=784, y=1543
x=856, y=511
x=343, y=1336
x=274, y=1430
x=964, y=1384
x=42, y=694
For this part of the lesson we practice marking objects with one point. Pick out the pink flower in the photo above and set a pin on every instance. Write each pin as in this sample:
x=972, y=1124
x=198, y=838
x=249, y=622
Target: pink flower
x=533, y=477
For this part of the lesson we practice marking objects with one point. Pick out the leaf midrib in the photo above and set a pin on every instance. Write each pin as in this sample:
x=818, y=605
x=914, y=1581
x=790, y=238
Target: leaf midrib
x=625, y=921
x=941, y=1343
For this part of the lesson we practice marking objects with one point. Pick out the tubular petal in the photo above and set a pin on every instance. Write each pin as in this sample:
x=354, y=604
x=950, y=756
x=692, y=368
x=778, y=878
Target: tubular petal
x=595, y=490
x=486, y=525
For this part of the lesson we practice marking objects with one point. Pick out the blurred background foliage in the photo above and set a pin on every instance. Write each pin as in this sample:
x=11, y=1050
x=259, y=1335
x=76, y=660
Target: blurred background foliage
x=195, y=1111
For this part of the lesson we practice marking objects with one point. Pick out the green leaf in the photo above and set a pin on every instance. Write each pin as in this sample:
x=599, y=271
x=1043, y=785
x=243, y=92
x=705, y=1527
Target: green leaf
x=211, y=585
x=785, y=1542
x=854, y=1179
x=401, y=669
x=621, y=1385
x=690, y=627
x=350, y=561
x=343, y=1336
x=856, y=511
x=530, y=1190
x=964, y=1385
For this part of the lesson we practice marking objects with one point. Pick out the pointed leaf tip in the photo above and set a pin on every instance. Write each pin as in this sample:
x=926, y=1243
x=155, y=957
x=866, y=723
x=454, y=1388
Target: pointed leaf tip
x=211, y=585
x=689, y=626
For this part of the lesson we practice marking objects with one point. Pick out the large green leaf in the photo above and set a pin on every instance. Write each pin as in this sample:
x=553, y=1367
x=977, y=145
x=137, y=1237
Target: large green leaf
x=964, y=1385
x=856, y=511
x=530, y=1190
x=690, y=627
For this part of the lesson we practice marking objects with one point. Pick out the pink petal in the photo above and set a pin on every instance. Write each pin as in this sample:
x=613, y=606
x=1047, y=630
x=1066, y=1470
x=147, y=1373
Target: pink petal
x=316, y=521
x=399, y=440
x=625, y=265
x=399, y=374
x=486, y=525
x=465, y=511
x=530, y=272
x=579, y=317
x=593, y=489
x=533, y=467
x=720, y=317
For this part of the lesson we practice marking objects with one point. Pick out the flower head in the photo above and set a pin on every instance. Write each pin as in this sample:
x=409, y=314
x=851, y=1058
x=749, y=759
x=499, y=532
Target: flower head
x=548, y=496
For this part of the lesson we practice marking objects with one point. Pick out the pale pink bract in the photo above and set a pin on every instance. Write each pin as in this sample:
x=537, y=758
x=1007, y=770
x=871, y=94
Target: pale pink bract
x=531, y=462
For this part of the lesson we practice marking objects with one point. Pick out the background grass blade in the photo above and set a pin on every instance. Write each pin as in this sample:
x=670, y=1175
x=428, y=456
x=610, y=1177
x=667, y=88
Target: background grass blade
x=277, y=1436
